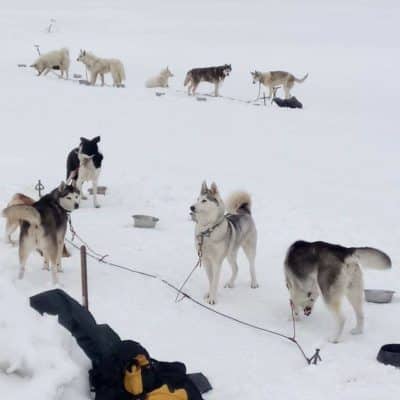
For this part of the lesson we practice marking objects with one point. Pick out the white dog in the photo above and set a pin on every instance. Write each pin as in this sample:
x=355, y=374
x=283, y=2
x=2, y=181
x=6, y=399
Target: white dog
x=219, y=235
x=161, y=80
x=57, y=59
x=101, y=66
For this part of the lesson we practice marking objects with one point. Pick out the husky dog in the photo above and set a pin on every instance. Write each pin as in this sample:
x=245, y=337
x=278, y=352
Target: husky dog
x=161, y=80
x=214, y=75
x=273, y=79
x=334, y=271
x=43, y=226
x=84, y=164
x=57, y=59
x=12, y=225
x=101, y=66
x=219, y=235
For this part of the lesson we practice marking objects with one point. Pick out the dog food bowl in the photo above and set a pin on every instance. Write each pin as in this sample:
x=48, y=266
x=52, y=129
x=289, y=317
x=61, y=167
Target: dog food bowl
x=389, y=354
x=144, y=221
x=378, y=296
x=100, y=190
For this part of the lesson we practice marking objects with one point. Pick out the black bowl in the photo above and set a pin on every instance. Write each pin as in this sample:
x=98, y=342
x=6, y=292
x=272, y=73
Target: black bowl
x=389, y=354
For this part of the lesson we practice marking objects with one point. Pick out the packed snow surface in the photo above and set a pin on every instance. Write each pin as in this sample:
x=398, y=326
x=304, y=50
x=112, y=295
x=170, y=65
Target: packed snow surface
x=328, y=172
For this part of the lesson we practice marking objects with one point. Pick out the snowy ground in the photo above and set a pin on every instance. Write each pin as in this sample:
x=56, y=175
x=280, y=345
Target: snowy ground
x=328, y=172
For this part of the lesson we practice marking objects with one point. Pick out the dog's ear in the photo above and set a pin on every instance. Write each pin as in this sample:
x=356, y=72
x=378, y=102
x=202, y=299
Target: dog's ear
x=61, y=186
x=214, y=189
x=83, y=140
x=204, y=188
x=96, y=139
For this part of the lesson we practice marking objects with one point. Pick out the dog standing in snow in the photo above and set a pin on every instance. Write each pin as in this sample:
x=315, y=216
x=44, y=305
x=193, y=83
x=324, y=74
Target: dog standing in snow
x=57, y=59
x=219, y=235
x=43, y=225
x=100, y=66
x=334, y=271
x=84, y=164
x=273, y=79
x=161, y=80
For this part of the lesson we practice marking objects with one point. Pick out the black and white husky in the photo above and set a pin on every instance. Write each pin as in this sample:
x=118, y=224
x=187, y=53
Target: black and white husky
x=219, y=235
x=334, y=271
x=84, y=164
x=43, y=225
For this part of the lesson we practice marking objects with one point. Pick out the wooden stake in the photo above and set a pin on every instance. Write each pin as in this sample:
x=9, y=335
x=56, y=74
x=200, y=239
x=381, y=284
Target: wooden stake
x=85, y=297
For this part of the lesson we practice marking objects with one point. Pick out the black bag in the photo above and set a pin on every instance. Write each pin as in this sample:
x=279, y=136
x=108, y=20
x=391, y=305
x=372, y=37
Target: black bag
x=111, y=357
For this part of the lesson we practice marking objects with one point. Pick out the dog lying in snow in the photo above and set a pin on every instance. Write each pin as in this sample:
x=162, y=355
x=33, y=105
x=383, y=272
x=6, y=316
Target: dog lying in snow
x=160, y=80
x=57, y=59
x=101, y=66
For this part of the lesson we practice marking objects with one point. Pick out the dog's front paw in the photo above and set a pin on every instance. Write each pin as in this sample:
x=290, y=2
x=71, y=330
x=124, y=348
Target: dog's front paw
x=97, y=205
x=211, y=301
x=229, y=285
x=334, y=340
x=254, y=285
x=46, y=267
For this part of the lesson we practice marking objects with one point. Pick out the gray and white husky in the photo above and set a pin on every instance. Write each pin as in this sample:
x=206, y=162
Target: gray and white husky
x=43, y=226
x=334, y=271
x=273, y=79
x=219, y=235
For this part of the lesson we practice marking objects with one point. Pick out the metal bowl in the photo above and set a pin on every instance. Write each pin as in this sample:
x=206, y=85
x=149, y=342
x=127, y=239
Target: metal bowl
x=389, y=354
x=378, y=296
x=144, y=221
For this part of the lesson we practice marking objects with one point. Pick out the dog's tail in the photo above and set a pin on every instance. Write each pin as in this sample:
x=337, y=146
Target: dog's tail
x=302, y=79
x=22, y=213
x=118, y=72
x=372, y=258
x=187, y=78
x=239, y=203
x=122, y=73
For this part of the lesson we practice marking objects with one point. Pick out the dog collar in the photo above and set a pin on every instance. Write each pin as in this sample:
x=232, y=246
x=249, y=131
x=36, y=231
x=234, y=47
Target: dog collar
x=209, y=231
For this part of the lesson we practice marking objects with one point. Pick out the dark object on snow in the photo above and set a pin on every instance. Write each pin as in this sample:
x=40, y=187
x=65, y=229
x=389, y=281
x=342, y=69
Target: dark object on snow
x=290, y=103
x=22, y=65
x=56, y=67
x=201, y=382
x=389, y=354
x=121, y=369
x=160, y=94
